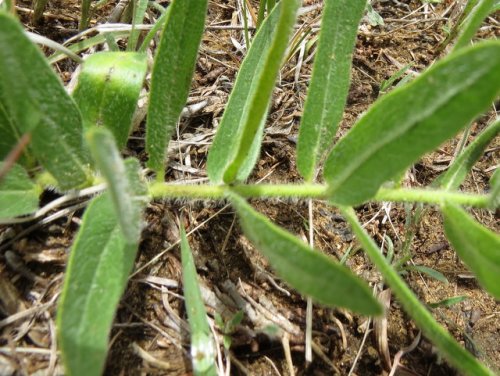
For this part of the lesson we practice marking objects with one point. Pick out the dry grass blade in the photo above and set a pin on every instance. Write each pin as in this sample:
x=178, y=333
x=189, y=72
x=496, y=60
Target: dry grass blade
x=380, y=329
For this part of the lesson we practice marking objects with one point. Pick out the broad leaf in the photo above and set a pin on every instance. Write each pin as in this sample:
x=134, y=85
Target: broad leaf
x=18, y=194
x=126, y=189
x=461, y=166
x=309, y=271
x=108, y=89
x=412, y=120
x=34, y=100
x=202, y=347
x=237, y=143
x=477, y=246
x=172, y=74
x=100, y=262
x=330, y=81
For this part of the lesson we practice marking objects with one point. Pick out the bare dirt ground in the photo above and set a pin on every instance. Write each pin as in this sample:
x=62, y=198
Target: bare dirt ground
x=150, y=336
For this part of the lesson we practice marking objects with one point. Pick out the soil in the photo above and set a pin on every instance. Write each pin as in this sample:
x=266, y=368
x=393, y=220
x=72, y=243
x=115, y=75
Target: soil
x=148, y=336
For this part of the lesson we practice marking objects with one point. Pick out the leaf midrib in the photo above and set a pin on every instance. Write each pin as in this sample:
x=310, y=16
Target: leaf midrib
x=393, y=134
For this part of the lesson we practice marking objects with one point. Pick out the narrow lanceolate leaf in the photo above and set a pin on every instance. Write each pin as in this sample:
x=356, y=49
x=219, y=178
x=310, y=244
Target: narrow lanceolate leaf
x=18, y=194
x=310, y=272
x=473, y=21
x=126, y=189
x=329, y=82
x=459, y=169
x=477, y=246
x=34, y=100
x=100, y=261
x=495, y=189
x=108, y=89
x=463, y=360
x=237, y=142
x=202, y=345
x=139, y=12
x=448, y=302
x=172, y=73
x=412, y=120
x=429, y=271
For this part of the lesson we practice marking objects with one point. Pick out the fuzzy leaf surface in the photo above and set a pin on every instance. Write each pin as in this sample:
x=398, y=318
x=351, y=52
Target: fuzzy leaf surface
x=473, y=21
x=330, y=81
x=9, y=133
x=495, y=189
x=461, y=166
x=476, y=246
x=108, y=89
x=202, y=347
x=412, y=120
x=126, y=189
x=308, y=271
x=172, y=74
x=18, y=194
x=236, y=144
x=34, y=100
x=100, y=262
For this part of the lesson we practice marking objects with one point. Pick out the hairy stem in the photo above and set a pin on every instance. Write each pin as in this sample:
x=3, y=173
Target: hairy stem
x=314, y=191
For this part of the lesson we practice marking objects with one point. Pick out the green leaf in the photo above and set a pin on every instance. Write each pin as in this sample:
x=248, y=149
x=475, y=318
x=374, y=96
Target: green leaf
x=456, y=354
x=172, y=74
x=461, y=166
x=34, y=100
x=476, y=246
x=8, y=130
x=87, y=43
x=100, y=262
x=309, y=271
x=108, y=89
x=472, y=22
x=386, y=84
x=412, y=120
x=448, y=302
x=126, y=189
x=237, y=143
x=495, y=189
x=202, y=346
x=154, y=30
x=429, y=271
x=139, y=12
x=374, y=18
x=330, y=81
x=18, y=194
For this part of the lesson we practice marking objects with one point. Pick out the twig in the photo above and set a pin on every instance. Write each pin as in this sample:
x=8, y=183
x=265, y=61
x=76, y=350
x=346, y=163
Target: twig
x=27, y=312
x=285, y=340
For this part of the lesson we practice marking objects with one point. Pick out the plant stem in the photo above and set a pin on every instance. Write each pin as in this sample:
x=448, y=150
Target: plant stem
x=457, y=355
x=38, y=11
x=315, y=191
